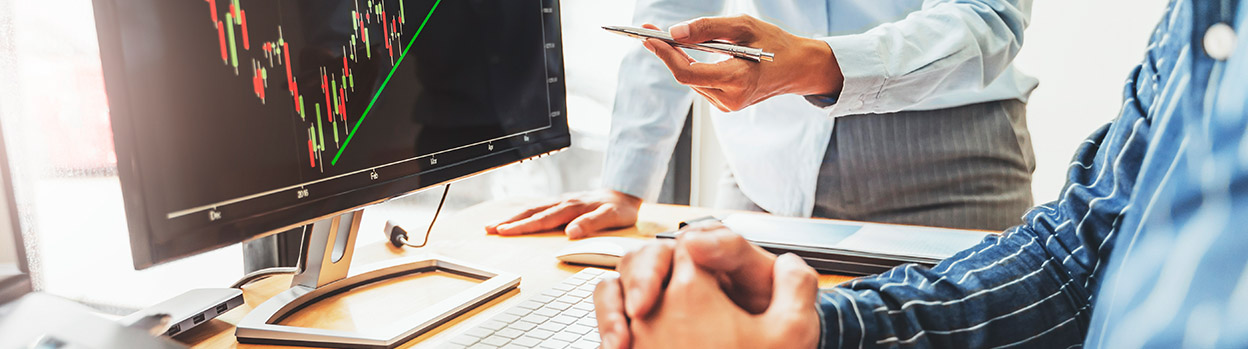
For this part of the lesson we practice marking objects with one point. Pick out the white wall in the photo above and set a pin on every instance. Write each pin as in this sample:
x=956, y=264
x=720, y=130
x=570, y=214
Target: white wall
x=1082, y=52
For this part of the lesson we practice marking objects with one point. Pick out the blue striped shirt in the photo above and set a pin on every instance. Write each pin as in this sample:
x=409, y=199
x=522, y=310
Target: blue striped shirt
x=1146, y=246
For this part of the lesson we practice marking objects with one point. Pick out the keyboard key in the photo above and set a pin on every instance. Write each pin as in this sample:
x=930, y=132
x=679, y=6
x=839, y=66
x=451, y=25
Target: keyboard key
x=569, y=299
x=553, y=293
x=522, y=325
x=494, y=325
x=566, y=336
x=577, y=329
x=557, y=305
x=584, y=344
x=530, y=305
x=564, y=287
x=563, y=319
x=535, y=318
x=575, y=313
x=547, y=312
x=586, y=306
x=587, y=322
x=526, y=342
x=542, y=299
x=539, y=333
x=518, y=311
x=495, y=340
x=580, y=294
x=513, y=346
x=552, y=326
x=464, y=340
x=453, y=346
x=509, y=333
x=554, y=344
x=593, y=272
x=479, y=332
x=592, y=337
x=508, y=318
x=482, y=346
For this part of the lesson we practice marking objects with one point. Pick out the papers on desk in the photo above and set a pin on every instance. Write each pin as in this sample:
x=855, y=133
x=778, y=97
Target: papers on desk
x=853, y=247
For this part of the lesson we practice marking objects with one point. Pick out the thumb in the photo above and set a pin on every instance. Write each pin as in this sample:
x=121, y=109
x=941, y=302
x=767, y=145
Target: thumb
x=748, y=267
x=739, y=29
x=795, y=287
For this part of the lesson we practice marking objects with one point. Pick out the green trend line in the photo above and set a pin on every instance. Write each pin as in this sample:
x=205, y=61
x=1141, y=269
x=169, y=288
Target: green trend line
x=383, y=84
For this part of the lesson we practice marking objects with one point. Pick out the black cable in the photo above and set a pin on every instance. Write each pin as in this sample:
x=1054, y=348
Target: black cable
x=262, y=273
x=398, y=236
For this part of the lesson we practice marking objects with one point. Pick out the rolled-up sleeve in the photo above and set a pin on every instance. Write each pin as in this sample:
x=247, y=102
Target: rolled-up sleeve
x=650, y=106
x=947, y=47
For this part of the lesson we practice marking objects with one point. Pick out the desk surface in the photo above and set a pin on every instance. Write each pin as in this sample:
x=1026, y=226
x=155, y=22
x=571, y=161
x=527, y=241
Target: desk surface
x=460, y=236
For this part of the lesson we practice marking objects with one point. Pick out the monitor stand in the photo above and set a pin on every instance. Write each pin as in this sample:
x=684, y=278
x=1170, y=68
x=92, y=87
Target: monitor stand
x=322, y=273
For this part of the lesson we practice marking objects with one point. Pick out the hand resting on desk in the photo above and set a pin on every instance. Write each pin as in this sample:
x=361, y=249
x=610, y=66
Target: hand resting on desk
x=709, y=288
x=584, y=214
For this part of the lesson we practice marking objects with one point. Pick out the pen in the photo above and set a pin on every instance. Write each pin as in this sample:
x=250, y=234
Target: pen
x=750, y=53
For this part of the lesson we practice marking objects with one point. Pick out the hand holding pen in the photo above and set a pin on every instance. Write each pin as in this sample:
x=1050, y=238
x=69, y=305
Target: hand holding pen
x=801, y=66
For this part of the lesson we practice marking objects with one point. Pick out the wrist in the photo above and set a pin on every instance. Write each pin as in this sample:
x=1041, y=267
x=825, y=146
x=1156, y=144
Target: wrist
x=821, y=75
x=626, y=198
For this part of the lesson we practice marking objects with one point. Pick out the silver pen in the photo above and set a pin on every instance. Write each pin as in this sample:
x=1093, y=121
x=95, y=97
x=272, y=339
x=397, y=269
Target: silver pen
x=750, y=53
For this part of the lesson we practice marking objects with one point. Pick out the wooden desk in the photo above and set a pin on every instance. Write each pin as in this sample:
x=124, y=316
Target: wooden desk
x=459, y=236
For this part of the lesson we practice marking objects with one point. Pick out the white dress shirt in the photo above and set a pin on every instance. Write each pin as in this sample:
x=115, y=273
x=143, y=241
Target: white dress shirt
x=894, y=55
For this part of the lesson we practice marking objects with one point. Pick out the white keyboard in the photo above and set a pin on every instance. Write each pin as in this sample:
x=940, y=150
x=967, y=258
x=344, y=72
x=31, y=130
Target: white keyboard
x=561, y=317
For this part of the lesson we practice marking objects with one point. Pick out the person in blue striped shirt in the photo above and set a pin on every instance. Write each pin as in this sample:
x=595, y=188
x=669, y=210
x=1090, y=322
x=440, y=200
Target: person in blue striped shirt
x=1147, y=245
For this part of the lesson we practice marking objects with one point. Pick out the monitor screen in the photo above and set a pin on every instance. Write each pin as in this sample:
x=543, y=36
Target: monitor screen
x=235, y=119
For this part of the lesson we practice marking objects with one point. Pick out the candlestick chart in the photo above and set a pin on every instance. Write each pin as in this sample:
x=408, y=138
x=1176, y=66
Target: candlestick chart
x=322, y=111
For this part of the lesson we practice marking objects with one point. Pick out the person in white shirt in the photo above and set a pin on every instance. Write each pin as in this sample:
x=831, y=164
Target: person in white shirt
x=902, y=112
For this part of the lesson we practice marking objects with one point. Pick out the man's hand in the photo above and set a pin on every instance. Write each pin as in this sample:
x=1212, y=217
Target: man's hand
x=695, y=311
x=584, y=214
x=802, y=66
x=743, y=271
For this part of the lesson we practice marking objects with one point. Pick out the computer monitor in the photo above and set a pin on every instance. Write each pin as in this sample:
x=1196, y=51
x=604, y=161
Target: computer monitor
x=236, y=119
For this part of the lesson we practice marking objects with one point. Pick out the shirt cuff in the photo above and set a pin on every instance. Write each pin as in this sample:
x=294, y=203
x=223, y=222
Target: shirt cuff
x=635, y=172
x=823, y=325
x=862, y=64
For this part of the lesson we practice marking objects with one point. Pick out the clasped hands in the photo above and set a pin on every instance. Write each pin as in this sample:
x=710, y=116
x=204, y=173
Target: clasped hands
x=709, y=288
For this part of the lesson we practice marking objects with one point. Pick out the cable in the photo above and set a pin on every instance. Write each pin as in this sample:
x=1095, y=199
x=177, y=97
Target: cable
x=262, y=273
x=398, y=238
x=398, y=235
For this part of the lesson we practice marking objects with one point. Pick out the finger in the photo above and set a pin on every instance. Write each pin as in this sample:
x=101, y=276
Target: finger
x=796, y=285
x=642, y=274
x=685, y=69
x=493, y=228
x=604, y=217
x=717, y=248
x=548, y=219
x=690, y=279
x=609, y=310
x=739, y=29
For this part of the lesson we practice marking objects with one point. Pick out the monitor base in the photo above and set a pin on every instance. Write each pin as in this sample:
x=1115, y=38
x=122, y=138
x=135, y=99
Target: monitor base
x=327, y=254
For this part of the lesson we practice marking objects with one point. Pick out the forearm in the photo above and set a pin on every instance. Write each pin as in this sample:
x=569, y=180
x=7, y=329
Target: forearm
x=1033, y=284
x=947, y=47
x=649, y=114
x=650, y=106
